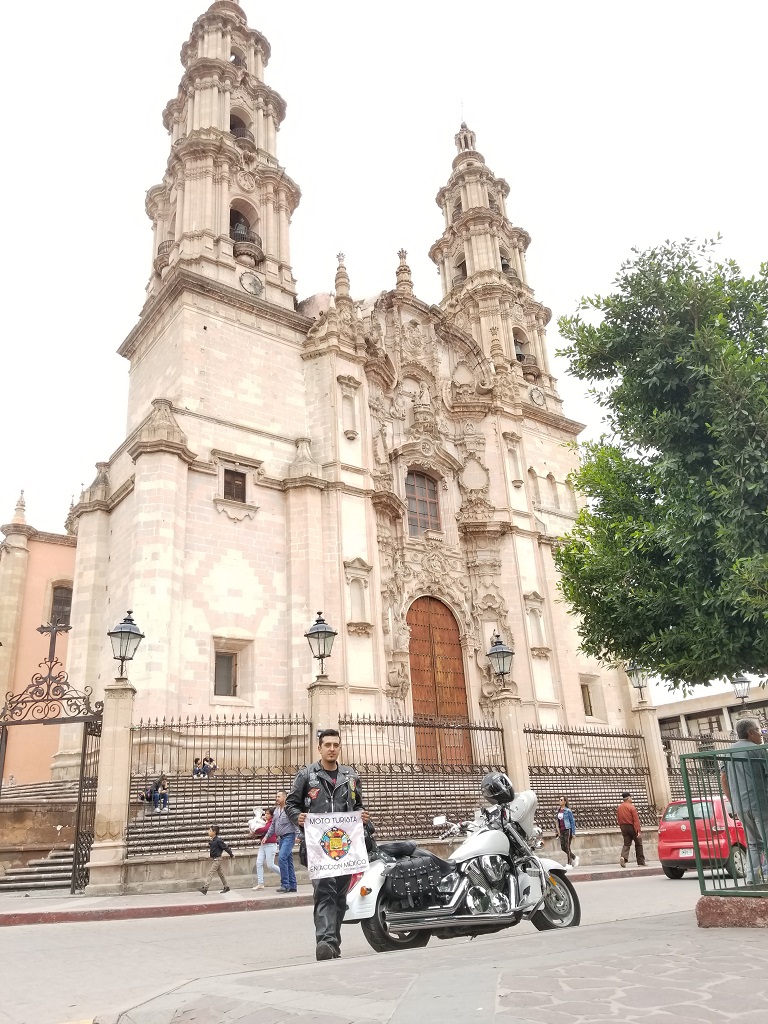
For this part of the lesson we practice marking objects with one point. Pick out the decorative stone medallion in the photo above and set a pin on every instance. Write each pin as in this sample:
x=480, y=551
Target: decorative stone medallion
x=246, y=181
x=251, y=283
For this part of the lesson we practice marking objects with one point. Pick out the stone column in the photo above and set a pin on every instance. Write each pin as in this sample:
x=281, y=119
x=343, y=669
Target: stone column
x=508, y=709
x=114, y=790
x=13, y=574
x=325, y=705
x=657, y=762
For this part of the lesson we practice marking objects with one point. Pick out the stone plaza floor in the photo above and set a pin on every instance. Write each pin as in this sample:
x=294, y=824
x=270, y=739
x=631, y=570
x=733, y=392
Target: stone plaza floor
x=651, y=970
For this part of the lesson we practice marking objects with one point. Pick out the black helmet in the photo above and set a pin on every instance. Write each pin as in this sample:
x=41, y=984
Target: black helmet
x=497, y=788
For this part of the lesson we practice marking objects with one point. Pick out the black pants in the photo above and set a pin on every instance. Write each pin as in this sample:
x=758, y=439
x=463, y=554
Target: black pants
x=330, y=907
x=566, y=839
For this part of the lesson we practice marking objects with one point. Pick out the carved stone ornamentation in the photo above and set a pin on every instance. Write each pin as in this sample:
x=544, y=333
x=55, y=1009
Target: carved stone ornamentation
x=360, y=628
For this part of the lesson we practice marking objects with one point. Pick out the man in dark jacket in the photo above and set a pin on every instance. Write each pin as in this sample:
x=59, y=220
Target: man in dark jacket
x=217, y=848
x=322, y=788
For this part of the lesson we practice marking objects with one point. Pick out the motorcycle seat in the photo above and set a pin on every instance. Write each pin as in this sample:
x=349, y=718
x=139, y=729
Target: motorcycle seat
x=398, y=848
x=446, y=866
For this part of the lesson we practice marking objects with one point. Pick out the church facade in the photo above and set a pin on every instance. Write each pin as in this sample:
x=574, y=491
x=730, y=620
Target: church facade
x=400, y=465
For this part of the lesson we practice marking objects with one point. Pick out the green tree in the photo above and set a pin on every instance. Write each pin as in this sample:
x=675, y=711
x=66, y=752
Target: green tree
x=668, y=560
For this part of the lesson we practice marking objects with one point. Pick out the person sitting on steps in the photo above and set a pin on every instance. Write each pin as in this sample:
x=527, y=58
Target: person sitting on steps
x=160, y=795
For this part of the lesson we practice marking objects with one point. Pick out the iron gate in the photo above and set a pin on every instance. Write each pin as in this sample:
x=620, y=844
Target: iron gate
x=50, y=699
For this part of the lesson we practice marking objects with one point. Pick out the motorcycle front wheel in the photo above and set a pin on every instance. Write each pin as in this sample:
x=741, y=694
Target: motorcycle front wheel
x=561, y=907
x=383, y=941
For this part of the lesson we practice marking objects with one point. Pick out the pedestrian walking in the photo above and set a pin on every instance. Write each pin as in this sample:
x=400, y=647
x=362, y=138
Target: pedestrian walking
x=283, y=829
x=160, y=795
x=324, y=787
x=566, y=830
x=629, y=823
x=216, y=848
x=744, y=779
x=267, y=850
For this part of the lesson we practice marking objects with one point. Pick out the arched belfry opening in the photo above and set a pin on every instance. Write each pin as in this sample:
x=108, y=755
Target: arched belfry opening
x=438, y=684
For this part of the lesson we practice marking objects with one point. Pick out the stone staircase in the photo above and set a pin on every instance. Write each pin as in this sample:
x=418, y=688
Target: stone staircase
x=60, y=791
x=51, y=872
x=194, y=805
x=401, y=805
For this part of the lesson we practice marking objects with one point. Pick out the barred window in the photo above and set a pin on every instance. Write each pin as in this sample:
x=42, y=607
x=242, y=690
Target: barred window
x=423, y=505
x=234, y=485
x=61, y=606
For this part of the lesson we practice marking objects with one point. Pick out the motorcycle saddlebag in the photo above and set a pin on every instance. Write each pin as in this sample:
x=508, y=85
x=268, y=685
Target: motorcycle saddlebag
x=411, y=876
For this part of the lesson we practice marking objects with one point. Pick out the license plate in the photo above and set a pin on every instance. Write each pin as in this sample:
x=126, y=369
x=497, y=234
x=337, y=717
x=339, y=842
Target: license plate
x=685, y=853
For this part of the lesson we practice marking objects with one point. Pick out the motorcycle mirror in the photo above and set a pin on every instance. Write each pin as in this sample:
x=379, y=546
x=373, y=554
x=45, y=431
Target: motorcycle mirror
x=440, y=820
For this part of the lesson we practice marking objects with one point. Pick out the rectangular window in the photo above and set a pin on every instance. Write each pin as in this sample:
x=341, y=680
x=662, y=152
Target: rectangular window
x=704, y=725
x=225, y=679
x=423, y=504
x=61, y=606
x=234, y=485
x=586, y=698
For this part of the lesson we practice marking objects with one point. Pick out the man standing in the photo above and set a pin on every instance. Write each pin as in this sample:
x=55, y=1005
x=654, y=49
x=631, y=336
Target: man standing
x=629, y=823
x=283, y=828
x=322, y=788
x=744, y=783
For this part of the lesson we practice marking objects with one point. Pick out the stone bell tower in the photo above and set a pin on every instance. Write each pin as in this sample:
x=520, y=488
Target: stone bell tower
x=224, y=206
x=481, y=259
x=186, y=522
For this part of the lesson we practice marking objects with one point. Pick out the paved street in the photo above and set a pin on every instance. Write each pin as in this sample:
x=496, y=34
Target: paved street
x=102, y=967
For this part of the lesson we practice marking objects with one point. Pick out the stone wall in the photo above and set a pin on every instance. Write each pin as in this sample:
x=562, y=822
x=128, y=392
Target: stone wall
x=30, y=829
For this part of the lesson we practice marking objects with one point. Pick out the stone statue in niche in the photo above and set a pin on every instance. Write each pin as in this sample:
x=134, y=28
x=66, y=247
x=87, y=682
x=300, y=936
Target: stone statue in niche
x=397, y=408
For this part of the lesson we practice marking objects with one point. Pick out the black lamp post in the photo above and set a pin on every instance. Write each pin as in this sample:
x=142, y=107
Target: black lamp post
x=125, y=641
x=500, y=657
x=639, y=677
x=741, y=687
x=320, y=638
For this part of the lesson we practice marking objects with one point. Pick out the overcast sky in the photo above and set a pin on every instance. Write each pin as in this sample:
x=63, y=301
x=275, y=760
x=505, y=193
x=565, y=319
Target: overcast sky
x=615, y=124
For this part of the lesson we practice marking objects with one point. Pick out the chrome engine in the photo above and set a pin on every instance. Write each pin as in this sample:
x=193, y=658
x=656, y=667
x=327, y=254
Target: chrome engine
x=490, y=884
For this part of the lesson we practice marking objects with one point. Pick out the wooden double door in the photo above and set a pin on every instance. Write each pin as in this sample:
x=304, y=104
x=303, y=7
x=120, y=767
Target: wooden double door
x=438, y=686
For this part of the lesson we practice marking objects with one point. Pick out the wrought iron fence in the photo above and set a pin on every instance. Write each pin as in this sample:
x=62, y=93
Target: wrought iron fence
x=591, y=768
x=253, y=758
x=676, y=745
x=412, y=770
x=726, y=793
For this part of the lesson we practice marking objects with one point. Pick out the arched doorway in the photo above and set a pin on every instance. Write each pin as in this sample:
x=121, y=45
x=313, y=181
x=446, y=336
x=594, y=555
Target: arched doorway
x=438, y=686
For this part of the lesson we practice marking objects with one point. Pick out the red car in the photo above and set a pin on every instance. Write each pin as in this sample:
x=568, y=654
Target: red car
x=721, y=838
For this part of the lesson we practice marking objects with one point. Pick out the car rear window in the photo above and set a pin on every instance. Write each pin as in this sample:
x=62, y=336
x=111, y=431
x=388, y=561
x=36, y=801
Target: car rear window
x=679, y=812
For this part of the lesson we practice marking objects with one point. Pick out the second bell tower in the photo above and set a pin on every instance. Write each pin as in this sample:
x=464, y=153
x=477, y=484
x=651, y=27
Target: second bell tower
x=224, y=206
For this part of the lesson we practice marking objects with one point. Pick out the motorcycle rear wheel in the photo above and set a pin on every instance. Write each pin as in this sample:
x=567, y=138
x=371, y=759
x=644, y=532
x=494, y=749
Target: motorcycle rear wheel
x=561, y=907
x=383, y=941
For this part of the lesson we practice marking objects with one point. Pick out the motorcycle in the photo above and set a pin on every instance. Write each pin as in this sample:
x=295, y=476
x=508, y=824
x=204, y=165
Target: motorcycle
x=492, y=881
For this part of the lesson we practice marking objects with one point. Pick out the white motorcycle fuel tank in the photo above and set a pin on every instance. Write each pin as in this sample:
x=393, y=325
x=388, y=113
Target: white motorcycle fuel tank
x=482, y=844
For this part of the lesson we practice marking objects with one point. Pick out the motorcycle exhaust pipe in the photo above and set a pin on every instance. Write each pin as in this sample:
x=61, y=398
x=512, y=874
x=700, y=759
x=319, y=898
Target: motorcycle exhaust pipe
x=421, y=925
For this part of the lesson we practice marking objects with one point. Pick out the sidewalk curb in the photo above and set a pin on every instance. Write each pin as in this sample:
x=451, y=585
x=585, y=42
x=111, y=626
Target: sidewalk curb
x=598, y=876
x=11, y=919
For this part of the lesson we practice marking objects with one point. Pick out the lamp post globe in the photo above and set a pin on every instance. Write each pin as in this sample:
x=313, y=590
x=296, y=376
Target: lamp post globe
x=125, y=638
x=741, y=686
x=638, y=677
x=320, y=637
x=500, y=656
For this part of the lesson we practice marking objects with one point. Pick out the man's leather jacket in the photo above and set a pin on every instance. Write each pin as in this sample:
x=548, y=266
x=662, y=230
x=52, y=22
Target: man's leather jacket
x=313, y=792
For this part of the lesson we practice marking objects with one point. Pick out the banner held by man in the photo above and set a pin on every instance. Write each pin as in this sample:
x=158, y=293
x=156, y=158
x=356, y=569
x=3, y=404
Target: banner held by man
x=335, y=844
